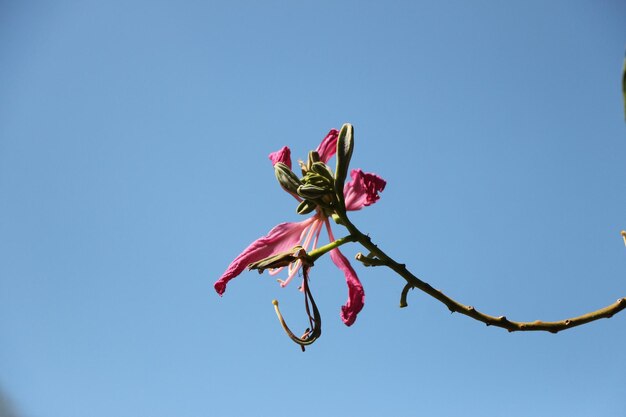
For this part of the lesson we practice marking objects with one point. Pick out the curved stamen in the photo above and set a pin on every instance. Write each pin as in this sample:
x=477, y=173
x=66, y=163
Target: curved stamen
x=293, y=268
x=317, y=235
x=314, y=332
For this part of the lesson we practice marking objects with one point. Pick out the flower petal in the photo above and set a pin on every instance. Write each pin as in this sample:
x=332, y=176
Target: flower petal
x=328, y=147
x=281, y=238
x=356, y=295
x=283, y=155
x=362, y=190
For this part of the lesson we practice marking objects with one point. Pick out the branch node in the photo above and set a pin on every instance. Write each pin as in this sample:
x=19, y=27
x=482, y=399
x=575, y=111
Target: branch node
x=369, y=260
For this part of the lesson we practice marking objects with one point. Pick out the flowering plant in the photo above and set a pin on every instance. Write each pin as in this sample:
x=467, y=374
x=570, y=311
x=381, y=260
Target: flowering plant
x=325, y=195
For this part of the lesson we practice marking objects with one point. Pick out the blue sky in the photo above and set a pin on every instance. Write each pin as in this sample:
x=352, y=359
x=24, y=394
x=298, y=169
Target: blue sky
x=133, y=168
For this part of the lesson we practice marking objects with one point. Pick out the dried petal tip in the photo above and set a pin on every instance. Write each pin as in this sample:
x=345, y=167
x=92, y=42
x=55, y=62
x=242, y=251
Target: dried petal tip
x=220, y=287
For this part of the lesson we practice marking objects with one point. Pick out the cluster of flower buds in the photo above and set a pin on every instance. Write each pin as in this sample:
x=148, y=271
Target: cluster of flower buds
x=319, y=187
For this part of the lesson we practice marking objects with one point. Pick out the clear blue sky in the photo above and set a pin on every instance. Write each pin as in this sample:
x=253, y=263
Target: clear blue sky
x=133, y=168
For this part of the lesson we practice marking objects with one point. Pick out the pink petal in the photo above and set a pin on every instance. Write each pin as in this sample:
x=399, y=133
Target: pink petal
x=281, y=238
x=328, y=147
x=283, y=155
x=363, y=189
x=356, y=295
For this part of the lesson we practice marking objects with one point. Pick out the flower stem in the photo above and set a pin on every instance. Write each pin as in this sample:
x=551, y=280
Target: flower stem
x=314, y=254
x=455, y=306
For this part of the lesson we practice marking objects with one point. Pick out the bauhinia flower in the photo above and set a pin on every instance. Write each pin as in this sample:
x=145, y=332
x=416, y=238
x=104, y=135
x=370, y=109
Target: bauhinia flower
x=287, y=244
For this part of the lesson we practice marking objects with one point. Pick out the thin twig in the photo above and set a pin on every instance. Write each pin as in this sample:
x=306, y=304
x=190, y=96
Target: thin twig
x=455, y=306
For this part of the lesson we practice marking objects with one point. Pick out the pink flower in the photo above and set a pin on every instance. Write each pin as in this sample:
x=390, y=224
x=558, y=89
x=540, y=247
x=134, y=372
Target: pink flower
x=361, y=191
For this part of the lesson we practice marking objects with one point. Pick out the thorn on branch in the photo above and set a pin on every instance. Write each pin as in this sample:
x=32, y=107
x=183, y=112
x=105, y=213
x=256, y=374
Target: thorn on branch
x=403, y=295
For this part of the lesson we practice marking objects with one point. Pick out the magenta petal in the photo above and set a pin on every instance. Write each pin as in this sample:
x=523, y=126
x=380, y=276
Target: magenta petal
x=283, y=155
x=328, y=147
x=281, y=238
x=356, y=295
x=362, y=190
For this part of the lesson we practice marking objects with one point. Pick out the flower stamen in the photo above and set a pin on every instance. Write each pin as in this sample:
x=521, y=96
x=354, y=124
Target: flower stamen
x=293, y=268
x=312, y=333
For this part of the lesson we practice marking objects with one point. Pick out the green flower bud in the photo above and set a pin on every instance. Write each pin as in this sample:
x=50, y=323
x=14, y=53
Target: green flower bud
x=287, y=179
x=312, y=192
x=313, y=158
x=345, y=146
x=318, y=180
x=322, y=169
x=306, y=207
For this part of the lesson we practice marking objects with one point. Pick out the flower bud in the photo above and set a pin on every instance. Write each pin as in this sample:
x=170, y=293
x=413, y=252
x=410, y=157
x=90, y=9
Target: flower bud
x=318, y=180
x=345, y=146
x=313, y=158
x=306, y=207
x=312, y=192
x=322, y=169
x=287, y=179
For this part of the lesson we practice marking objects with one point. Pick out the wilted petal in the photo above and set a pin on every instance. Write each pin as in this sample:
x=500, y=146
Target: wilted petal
x=363, y=189
x=281, y=238
x=283, y=155
x=328, y=147
x=356, y=295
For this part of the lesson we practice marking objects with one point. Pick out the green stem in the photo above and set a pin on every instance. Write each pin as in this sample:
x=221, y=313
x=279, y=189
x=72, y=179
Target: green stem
x=455, y=306
x=314, y=254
